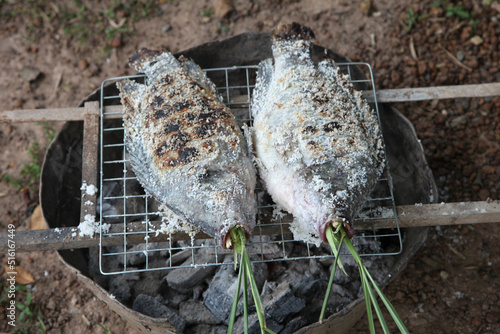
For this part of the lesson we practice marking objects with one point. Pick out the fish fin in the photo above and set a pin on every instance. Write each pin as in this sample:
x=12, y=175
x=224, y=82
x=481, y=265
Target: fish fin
x=153, y=63
x=196, y=73
x=328, y=68
x=293, y=31
x=264, y=76
x=131, y=94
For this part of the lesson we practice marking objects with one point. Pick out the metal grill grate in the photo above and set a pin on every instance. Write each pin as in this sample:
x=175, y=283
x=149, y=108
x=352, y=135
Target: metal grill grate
x=123, y=202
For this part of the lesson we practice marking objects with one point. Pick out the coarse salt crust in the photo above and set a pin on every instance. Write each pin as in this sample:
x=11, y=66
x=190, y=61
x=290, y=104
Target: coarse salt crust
x=318, y=144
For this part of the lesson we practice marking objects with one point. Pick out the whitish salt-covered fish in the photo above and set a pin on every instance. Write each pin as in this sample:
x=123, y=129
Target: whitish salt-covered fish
x=185, y=147
x=318, y=144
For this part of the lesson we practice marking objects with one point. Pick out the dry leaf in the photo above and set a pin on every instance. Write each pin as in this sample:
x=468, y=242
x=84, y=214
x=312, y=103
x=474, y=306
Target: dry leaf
x=36, y=221
x=476, y=40
x=365, y=7
x=22, y=275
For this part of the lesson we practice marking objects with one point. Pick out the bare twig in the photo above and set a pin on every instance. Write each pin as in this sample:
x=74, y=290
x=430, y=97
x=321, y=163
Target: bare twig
x=455, y=60
x=412, y=49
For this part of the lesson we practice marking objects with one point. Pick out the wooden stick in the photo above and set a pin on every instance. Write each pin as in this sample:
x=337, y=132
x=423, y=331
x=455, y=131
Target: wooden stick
x=384, y=95
x=434, y=93
x=419, y=215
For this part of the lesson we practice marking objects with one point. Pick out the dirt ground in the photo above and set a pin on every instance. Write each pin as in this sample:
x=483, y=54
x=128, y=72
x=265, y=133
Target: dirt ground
x=53, y=54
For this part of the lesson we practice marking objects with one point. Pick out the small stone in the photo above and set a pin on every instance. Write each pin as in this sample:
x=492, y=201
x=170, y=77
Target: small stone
x=488, y=170
x=83, y=64
x=154, y=308
x=476, y=321
x=493, y=317
x=205, y=19
x=467, y=170
x=30, y=73
x=484, y=194
x=116, y=42
x=91, y=71
x=51, y=304
x=444, y=275
x=17, y=104
x=421, y=67
x=166, y=28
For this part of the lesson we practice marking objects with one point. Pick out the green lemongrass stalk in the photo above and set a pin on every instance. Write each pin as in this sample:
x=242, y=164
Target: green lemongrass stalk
x=370, y=288
x=245, y=275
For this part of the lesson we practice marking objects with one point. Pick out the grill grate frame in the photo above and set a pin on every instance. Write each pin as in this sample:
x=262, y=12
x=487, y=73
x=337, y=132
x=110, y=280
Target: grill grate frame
x=121, y=197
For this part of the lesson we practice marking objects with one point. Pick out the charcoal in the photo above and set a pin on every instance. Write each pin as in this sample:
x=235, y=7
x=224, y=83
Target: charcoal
x=187, y=278
x=218, y=298
x=149, y=284
x=294, y=324
x=280, y=302
x=207, y=329
x=121, y=288
x=254, y=325
x=197, y=313
x=173, y=297
x=154, y=308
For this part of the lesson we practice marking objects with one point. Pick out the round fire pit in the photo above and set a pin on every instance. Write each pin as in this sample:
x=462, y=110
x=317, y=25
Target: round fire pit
x=162, y=301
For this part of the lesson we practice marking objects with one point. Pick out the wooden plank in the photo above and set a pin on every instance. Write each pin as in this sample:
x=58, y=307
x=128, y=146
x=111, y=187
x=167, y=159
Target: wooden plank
x=384, y=95
x=42, y=115
x=434, y=93
x=409, y=216
x=89, y=157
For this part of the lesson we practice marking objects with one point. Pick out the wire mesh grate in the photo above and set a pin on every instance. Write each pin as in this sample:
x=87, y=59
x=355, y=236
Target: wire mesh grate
x=128, y=213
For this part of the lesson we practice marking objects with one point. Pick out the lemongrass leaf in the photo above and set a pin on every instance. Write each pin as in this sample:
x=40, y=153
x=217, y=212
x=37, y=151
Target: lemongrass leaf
x=334, y=241
x=392, y=311
x=245, y=301
x=329, y=233
x=369, y=312
x=235, y=301
x=373, y=297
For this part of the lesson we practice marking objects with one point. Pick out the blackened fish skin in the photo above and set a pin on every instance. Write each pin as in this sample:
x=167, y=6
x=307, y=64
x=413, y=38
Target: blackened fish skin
x=317, y=143
x=184, y=145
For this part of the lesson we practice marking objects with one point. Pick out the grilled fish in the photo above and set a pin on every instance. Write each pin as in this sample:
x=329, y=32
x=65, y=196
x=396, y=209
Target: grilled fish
x=184, y=145
x=317, y=143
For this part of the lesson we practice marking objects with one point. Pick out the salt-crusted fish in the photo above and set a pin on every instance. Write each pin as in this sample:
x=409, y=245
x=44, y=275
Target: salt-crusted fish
x=185, y=147
x=317, y=142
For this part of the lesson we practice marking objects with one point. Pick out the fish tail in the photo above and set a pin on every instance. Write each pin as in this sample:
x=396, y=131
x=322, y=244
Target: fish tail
x=293, y=31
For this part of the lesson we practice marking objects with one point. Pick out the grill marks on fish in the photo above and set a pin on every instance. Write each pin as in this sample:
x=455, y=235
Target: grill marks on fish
x=182, y=126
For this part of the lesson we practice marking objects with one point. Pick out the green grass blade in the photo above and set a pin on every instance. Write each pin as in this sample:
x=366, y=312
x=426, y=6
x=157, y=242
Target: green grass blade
x=329, y=233
x=255, y=292
x=373, y=297
x=387, y=303
x=392, y=311
x=335, y=239
x=369, y=312
x=245, y=302
x=235, y=301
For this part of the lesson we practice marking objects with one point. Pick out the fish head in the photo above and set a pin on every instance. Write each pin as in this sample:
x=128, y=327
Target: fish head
x=321, y=198
x=227, y=196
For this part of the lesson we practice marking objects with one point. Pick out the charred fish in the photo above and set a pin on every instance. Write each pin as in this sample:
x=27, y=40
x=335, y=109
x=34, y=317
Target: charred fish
x=185, y=147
